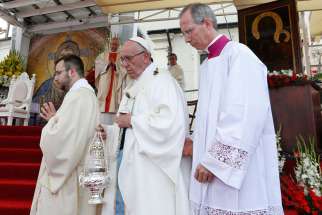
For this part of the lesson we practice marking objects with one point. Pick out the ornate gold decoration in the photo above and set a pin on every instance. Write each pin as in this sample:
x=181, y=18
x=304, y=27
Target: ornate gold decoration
x=278, y=23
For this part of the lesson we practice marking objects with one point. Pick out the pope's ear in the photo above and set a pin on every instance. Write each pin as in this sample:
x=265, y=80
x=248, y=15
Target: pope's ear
x=147, y=57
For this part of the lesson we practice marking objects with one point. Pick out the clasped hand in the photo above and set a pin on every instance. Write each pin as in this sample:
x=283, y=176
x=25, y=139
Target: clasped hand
x=47, y=111
x=203, y=175
x=123, y=120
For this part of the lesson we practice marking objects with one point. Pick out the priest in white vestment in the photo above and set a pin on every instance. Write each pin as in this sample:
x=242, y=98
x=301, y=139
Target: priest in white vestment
x=110, y=81
x=153, y=112
x=64, y=144
x=235, y=166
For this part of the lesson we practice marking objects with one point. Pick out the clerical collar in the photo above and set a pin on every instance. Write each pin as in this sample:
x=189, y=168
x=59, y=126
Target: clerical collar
x=212, y=42
x=80, y=83
x=133, y=89
x=217, y=46
x=149, y=69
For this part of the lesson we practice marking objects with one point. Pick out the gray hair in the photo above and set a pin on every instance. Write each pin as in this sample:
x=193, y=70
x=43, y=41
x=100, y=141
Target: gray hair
x=199, y=12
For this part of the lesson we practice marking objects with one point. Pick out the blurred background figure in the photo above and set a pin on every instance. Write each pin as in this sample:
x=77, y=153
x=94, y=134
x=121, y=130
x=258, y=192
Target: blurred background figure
x=176, y=70
x=110, y=81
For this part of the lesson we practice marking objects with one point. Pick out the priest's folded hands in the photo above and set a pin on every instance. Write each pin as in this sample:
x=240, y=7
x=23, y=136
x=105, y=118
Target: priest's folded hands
x=203, y=175
x=47, y=111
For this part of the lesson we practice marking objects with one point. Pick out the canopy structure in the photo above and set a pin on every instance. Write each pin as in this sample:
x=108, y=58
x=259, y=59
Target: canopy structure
x=50, y=16
x=123, y=6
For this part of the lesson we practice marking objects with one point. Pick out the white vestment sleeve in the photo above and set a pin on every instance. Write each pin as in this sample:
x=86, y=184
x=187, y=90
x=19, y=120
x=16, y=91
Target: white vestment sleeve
x=111, y=150
x=243, y=110
x=112, y=141
x=65, y=138
x=100, y=65
x=160, y=131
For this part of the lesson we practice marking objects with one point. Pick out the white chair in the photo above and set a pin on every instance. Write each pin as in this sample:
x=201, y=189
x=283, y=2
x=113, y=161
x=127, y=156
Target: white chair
x=17, y=104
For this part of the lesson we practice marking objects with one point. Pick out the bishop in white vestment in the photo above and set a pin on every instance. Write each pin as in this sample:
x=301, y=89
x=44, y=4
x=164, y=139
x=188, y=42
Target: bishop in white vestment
x=64, y=144
x=234, y=137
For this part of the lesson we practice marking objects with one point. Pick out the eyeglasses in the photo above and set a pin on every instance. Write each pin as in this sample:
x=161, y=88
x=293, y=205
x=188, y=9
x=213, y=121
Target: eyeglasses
x=58, y=72
x=189, y=31
x=129, y=58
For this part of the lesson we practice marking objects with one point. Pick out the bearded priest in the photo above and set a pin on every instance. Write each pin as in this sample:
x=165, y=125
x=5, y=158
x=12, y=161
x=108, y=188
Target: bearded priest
x=64, y=144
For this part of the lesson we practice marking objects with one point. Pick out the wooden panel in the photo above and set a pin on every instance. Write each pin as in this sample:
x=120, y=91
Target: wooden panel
x=297, y=110
x=317, y=114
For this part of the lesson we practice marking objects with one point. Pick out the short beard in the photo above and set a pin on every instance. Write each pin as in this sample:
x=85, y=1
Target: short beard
x=66, y=85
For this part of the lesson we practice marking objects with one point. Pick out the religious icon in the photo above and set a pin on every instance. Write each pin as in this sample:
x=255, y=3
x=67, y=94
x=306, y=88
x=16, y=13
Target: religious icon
x=271, y=32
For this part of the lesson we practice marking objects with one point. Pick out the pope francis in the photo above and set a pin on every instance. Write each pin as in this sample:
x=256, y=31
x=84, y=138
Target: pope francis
x=152, y=111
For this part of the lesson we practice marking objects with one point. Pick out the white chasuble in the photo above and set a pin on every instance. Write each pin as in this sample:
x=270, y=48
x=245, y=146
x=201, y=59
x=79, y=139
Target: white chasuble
x=234, y=138
x=64, y=144
x=150, y=178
